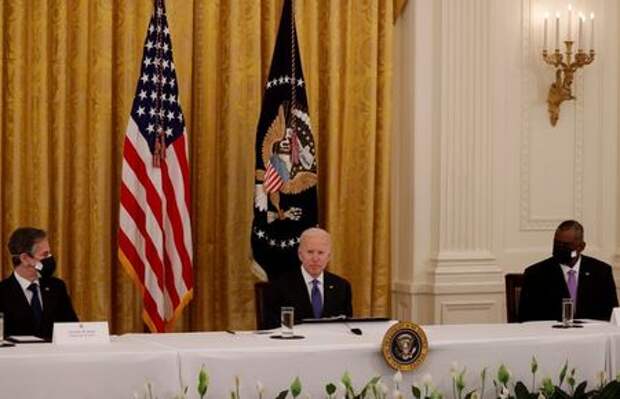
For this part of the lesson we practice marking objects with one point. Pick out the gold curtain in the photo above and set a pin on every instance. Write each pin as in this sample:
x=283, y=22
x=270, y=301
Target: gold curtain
x=68, y=73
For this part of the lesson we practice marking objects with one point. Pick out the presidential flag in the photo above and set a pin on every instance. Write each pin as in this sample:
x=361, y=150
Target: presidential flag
x=285, y=196
x=155, y=235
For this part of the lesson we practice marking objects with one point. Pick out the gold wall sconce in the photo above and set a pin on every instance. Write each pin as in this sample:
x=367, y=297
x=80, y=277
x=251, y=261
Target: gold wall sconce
x=564, y=63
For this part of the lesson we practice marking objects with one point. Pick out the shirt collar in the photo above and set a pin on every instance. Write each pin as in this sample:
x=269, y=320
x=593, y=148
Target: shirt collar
x=308, y=278
x=25, y=283
x=566, y=268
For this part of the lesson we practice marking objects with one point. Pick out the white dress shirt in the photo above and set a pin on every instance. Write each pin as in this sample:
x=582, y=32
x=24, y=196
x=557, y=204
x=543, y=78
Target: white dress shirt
x=308, y=279
x=24, y=283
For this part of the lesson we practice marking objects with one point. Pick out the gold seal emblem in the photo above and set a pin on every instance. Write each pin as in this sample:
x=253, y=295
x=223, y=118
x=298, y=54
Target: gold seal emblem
x=405, y=346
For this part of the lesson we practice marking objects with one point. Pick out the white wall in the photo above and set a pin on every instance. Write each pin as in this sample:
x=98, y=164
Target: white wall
x=480, y=177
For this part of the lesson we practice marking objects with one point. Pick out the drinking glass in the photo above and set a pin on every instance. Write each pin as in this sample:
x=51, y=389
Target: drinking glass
x=1, y=327
x=287, y=320
x=567, y=312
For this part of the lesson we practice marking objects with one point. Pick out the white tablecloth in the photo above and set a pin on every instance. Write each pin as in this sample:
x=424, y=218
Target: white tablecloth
x=114, y=370
x=330, y=349
x=121, y=368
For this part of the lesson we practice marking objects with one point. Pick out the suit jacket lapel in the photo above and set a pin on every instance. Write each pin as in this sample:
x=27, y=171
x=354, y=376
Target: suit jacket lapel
x=304, y=297
x=47, y=298
x=19, y=296
x=583, y=283
x=328, y=293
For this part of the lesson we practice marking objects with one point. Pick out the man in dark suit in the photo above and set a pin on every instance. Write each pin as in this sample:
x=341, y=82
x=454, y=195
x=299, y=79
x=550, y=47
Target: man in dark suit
x=31, y=299
x=312, y=291
x=568, y=274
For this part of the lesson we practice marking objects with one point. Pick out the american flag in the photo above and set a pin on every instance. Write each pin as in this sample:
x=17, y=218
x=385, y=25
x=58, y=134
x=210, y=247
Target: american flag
x=155, y=236
x=273, y=176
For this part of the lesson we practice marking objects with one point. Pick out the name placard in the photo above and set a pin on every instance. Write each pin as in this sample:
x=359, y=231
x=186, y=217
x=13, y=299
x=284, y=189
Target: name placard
x=93, y=332
x=615, y=317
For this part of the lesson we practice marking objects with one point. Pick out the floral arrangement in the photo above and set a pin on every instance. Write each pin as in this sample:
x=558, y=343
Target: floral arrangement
x=566, y=387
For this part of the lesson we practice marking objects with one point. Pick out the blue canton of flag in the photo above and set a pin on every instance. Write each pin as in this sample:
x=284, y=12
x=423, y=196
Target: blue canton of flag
x=156, y=108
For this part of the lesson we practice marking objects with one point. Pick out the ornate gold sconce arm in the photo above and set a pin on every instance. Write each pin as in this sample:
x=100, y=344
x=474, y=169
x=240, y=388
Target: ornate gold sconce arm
x=561, y=88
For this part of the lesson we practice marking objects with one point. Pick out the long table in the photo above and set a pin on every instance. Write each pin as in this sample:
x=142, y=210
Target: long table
x=329, y=350
x=171, y=361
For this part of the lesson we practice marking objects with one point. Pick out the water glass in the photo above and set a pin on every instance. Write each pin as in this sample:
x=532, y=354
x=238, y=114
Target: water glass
x=287, y=320
x=1, y=327
x=567, y=312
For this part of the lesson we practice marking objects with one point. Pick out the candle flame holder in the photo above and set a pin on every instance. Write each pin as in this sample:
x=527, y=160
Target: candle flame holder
x=566, y=66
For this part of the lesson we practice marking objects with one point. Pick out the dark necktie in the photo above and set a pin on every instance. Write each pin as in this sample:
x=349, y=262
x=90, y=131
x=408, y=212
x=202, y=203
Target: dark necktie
x=317, y=301
x=35, y=304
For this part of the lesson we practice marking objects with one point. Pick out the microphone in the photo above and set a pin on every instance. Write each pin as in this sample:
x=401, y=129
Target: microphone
x=356, y=331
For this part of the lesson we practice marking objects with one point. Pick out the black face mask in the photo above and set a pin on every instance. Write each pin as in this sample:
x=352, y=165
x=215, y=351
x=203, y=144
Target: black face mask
x=46, y=267
x=564, y=255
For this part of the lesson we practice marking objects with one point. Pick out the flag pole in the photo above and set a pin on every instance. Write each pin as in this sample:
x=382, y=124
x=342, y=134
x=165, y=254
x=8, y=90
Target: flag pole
x=293, y=76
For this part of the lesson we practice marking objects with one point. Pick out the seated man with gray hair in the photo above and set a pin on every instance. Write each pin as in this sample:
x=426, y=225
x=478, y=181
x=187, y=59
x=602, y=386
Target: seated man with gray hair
x=312, y=291
x=568, y=274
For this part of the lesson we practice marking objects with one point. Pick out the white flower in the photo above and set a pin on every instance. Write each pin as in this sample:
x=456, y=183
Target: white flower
x=398, y=377
x=601, y=376
x=427, y=379
x=541, y=396
x=474, y=395
x=504, y=393
x=396, y=394
x=341, y=389
x=383, y=388
x=454, y=367
x=260, y=388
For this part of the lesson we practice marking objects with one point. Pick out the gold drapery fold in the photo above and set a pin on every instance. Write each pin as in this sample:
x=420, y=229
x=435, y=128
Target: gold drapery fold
x=67, y=79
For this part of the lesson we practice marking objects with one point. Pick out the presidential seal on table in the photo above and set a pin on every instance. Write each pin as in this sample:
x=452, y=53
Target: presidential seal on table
x=405, y=346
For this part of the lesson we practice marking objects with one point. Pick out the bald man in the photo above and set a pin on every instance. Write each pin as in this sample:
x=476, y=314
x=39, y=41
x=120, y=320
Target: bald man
x=568, y=274
x=313, y=292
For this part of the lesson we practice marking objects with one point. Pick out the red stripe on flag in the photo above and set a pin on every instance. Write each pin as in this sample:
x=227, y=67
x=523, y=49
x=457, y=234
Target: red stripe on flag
x=130, y=252
x=179, y=147
x=132, y=207
x=138, y=166
x=177, y=225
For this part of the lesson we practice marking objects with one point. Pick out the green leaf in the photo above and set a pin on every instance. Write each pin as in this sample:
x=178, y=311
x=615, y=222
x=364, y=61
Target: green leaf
x=203, y=382
x=346, y=380
x=581, y=390
x=470, y=394
x=610, y=391
x=296, y=387
x=534, y=365
x=374, y=380
x=503, y=375
x=416, y=391
x=563, y=373
x=282, y=395
x=521, y=391
x=547, y=387
x=560, y=394
x=330, y=389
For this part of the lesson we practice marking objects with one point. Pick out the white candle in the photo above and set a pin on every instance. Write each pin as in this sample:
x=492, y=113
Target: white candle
x=545, y=34
x=570, y=21
x=592, y=33
x=581, y=18
x=557, y=30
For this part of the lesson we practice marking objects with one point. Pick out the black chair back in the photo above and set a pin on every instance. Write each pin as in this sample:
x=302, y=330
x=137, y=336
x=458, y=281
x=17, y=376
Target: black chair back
x=261, y=300
x=514, y=283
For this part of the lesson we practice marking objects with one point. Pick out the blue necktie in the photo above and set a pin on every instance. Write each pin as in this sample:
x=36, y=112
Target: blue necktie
x=317, y=301
x=35, y=304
